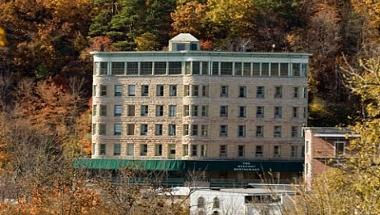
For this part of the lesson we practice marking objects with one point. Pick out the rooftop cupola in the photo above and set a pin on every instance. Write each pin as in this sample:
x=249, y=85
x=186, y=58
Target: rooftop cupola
x=184, y=42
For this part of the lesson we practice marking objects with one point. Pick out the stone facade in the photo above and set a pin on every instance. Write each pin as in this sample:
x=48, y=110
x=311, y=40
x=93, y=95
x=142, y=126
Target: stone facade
x=215, y=102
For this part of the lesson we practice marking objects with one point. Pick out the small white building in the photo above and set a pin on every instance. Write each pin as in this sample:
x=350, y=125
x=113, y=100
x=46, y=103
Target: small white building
x=250, y=201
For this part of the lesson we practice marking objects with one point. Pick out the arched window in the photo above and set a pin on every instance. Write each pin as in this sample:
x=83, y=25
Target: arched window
x=215, y=213
x=201, y=202
x=216, y=203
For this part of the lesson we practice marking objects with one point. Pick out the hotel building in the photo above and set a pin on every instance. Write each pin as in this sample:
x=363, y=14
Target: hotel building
x=187, y=104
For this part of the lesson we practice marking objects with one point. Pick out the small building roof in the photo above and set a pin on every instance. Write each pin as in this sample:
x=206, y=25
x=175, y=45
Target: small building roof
x=330, y=132
x=184, y=37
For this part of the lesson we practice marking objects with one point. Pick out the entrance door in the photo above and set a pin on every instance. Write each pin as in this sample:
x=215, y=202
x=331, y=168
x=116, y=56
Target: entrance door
x=171, y=151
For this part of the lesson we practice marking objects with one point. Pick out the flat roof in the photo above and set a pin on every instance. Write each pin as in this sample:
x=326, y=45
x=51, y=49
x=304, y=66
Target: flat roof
x=330, y=132
x=202, y=53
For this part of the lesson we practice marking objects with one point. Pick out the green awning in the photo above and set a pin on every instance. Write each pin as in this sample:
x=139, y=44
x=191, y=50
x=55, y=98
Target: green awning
x=190, y=165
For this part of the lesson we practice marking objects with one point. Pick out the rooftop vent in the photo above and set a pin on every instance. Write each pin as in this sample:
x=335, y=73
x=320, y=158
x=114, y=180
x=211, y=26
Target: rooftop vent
x=184, y=42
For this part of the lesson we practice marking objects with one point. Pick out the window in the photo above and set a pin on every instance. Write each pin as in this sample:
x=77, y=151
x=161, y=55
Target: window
x=103, y=90
x=194, y=150
x=146, y=68
x=247, y=69
x=131, y=90
x=116, y=149
x=224, y=111
x=295, y=92
x=241, y=150
x=118, y=90
x=144, y=90
x=94, y=90
x=293, y=151
x=260, y=112
x=278, y=112
x=224, y=91
x=172, y=90
x=158, y=129
x=159, y=110
x=216, y=203
x=296, y=69
x=180, y=46
x=265, y=69
x=118, y=110
x=201, y=202
x=205, y=91
x=196, y=68
x=117, y=68
x=276, y=151
x=303, y=151
x=242, y=111
x=103, y=110
x=215, y=68
x=226, y=68
x=172, y=129
x=223, y=132
x=306, y=147
x=185, y=131
x=93, y=128
x=195, y=90
x=94, y=107
x=160, y=68
x=204, y=68
x=117, y=129
x=203, y=150
x=186, y=90
x=260, y=92
x=143, y=129
x=103, y=68
x=102, y=149
x=259, y=151
x=204, y=110
x=185, y=150
x=204, y=130
x=339, y=148
x=274, y=69
x=131, y=110
x=144, y=110
x=194, y=110
x=172, y=110
x=304, y=112
x=295, y=112
x=194, y=130
x=241, y=131
x=130, y=129
x=284, y=69
x=160, y=90
x=143, y=149
x=186, y=111
x=304, y=69
x=259, y=131
x=158, y=150
x=305, y=92
x=130, y=149
x=193, y=46
x=277, y=131
x=242, y=91
x=102, y=129
x=223, y=151
x=132, y=68
x=278, y=92
x=256, y=69
x=294, y=132
x=175, y=68
x=238, y=69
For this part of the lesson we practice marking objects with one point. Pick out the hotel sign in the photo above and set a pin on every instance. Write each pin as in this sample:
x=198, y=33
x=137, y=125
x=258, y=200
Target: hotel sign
x=247, y=166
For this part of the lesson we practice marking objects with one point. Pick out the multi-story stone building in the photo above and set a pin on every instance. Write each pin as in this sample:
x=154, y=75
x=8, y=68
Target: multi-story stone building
x=187, y=104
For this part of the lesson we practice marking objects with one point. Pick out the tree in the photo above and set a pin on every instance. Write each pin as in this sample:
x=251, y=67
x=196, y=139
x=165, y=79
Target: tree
x=3, y=40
